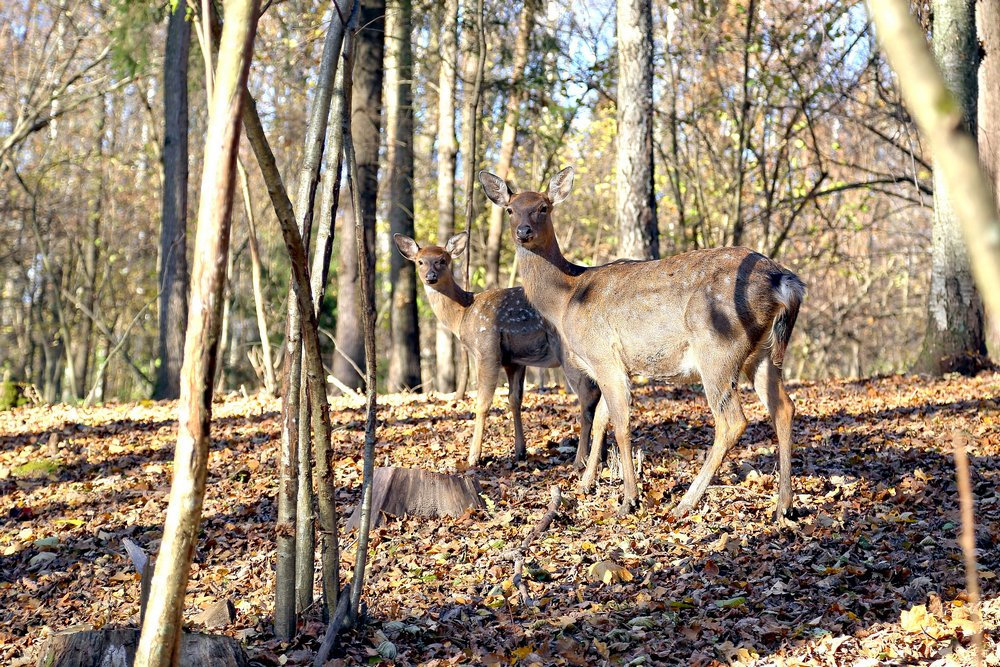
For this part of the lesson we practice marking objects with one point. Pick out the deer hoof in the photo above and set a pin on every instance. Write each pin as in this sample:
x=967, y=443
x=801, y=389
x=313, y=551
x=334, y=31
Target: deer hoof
x=628, y=506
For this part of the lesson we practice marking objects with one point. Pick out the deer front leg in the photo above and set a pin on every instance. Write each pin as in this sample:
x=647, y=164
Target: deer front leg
x=598, y=429
x=515, y=381
x=485, y=388
x=730, y=422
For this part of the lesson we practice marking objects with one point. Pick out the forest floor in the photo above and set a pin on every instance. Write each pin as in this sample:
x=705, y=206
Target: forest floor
x=871, y=574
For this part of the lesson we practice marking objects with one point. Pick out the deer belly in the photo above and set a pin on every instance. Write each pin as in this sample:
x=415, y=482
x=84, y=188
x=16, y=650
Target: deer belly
x=677, y=365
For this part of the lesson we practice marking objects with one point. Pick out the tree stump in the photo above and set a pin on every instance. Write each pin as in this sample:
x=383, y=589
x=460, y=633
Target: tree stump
x=115, y=647
x=412, y=491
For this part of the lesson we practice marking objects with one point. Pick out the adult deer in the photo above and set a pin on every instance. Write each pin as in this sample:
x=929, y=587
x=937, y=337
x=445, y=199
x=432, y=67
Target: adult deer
x=501, y=329
x=715, y=314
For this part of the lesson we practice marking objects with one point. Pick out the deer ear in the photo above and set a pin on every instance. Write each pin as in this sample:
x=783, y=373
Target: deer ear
x=456, y=244
x=560, y=186
x=495, y=187
x=408, y=248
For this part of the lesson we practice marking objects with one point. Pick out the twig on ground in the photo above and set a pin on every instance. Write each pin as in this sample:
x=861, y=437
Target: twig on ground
x=517, y=555
x=967, y=539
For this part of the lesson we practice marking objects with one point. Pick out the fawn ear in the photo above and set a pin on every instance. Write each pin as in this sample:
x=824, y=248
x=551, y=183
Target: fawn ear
x=457, y=243
x=495, y=187
x=560, y=186
x=408, y=248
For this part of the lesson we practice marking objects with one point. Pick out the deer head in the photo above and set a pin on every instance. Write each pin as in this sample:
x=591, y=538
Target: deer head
x=530, y=212
x=433, y=262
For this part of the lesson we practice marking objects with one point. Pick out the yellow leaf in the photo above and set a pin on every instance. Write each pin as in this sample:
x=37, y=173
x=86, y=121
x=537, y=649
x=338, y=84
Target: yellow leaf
x=917, y=619
x=522, y=653
x=609, y=572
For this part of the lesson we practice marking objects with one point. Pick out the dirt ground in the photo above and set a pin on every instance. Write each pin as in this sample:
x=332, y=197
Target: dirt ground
x=871, y=574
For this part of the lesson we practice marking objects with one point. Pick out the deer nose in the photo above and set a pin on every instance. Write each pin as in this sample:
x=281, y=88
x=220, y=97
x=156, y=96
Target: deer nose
x=431, y=278
x=524, y=233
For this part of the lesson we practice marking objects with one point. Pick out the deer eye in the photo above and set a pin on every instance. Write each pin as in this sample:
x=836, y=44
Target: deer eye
x=420, y=262
x=543, y=209
x=509, y=210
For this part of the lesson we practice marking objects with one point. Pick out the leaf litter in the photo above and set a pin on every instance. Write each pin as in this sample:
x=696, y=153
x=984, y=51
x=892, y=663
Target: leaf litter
x=870, y=575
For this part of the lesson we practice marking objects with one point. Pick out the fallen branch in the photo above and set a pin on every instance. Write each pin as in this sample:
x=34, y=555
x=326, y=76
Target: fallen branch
x=967, y=540
x=340, y=616
x=518, y=554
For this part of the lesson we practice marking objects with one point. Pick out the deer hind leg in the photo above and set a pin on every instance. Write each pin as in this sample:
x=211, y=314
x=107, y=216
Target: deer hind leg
x=771, y=389
x=515, y=381
x=589, y=395
x=730, y=422
x=598, y=430
x=485, y=388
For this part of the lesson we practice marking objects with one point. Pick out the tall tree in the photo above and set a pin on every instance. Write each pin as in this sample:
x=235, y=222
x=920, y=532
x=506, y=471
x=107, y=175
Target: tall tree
x=447, y=149
x=160, y=640
x=173, y=281
x=366, y=125
x=404, y=353
x=635, y=199
x=955, y=332
x=508, y=137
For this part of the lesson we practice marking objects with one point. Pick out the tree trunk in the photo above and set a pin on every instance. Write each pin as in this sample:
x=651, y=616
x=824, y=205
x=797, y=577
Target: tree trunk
x=366, y=122
x=955, y=334
x=173, y=311
x=635, y=198
x=404, y=354
x=91, y=254
x=159, y=644
x=444, y=379
x=474, y=46
x=256, y=269
x=508, y=138
x=988, y=125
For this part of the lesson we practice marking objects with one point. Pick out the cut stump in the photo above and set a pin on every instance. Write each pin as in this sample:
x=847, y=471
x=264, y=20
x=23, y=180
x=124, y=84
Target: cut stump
x=115, y=647
x=413, y=491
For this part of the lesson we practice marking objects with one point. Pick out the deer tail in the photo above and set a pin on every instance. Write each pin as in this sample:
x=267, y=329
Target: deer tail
x=789, y=291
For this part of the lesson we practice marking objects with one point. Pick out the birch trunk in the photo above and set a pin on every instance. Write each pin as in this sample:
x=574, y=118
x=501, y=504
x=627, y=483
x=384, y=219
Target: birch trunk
x=159, y=643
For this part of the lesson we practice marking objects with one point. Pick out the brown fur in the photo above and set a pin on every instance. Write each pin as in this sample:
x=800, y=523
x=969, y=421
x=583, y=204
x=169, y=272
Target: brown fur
x=705, y=315
x=501, y=329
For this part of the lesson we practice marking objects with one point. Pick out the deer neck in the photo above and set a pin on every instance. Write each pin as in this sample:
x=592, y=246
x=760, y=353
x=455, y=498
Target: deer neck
x=449, y=303
x=549, y=279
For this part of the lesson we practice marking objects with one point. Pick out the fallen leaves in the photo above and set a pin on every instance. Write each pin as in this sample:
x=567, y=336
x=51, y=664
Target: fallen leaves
x=870, y=574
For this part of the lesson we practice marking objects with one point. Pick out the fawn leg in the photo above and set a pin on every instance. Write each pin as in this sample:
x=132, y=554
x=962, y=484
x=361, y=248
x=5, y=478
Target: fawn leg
x=771, y=391
x=486, y=387
x=617, y=395
x=515, y=381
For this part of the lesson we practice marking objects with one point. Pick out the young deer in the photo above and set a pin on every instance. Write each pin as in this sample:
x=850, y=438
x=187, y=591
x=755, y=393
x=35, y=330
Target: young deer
x=713, y=315
x=500, y=328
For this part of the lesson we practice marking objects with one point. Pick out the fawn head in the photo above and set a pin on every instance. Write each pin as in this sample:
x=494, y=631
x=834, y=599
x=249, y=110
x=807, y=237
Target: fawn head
x=433, y=262
x=530, y=213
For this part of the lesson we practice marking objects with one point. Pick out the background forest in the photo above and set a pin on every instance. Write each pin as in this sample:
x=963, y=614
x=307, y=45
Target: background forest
x=776, y=125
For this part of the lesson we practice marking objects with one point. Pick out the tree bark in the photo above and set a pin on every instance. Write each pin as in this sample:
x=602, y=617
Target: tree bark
x=474, y=42
x=955, y=335
x=635, y=198
x=444, y=346
x=91, y=255
x=160, y=641
x=256, y=270
x=508, y=138
x=940, y=118
x=988, y=121
x=404, y=354
x=173, y=309
x=366, y=123
x=366, y=262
